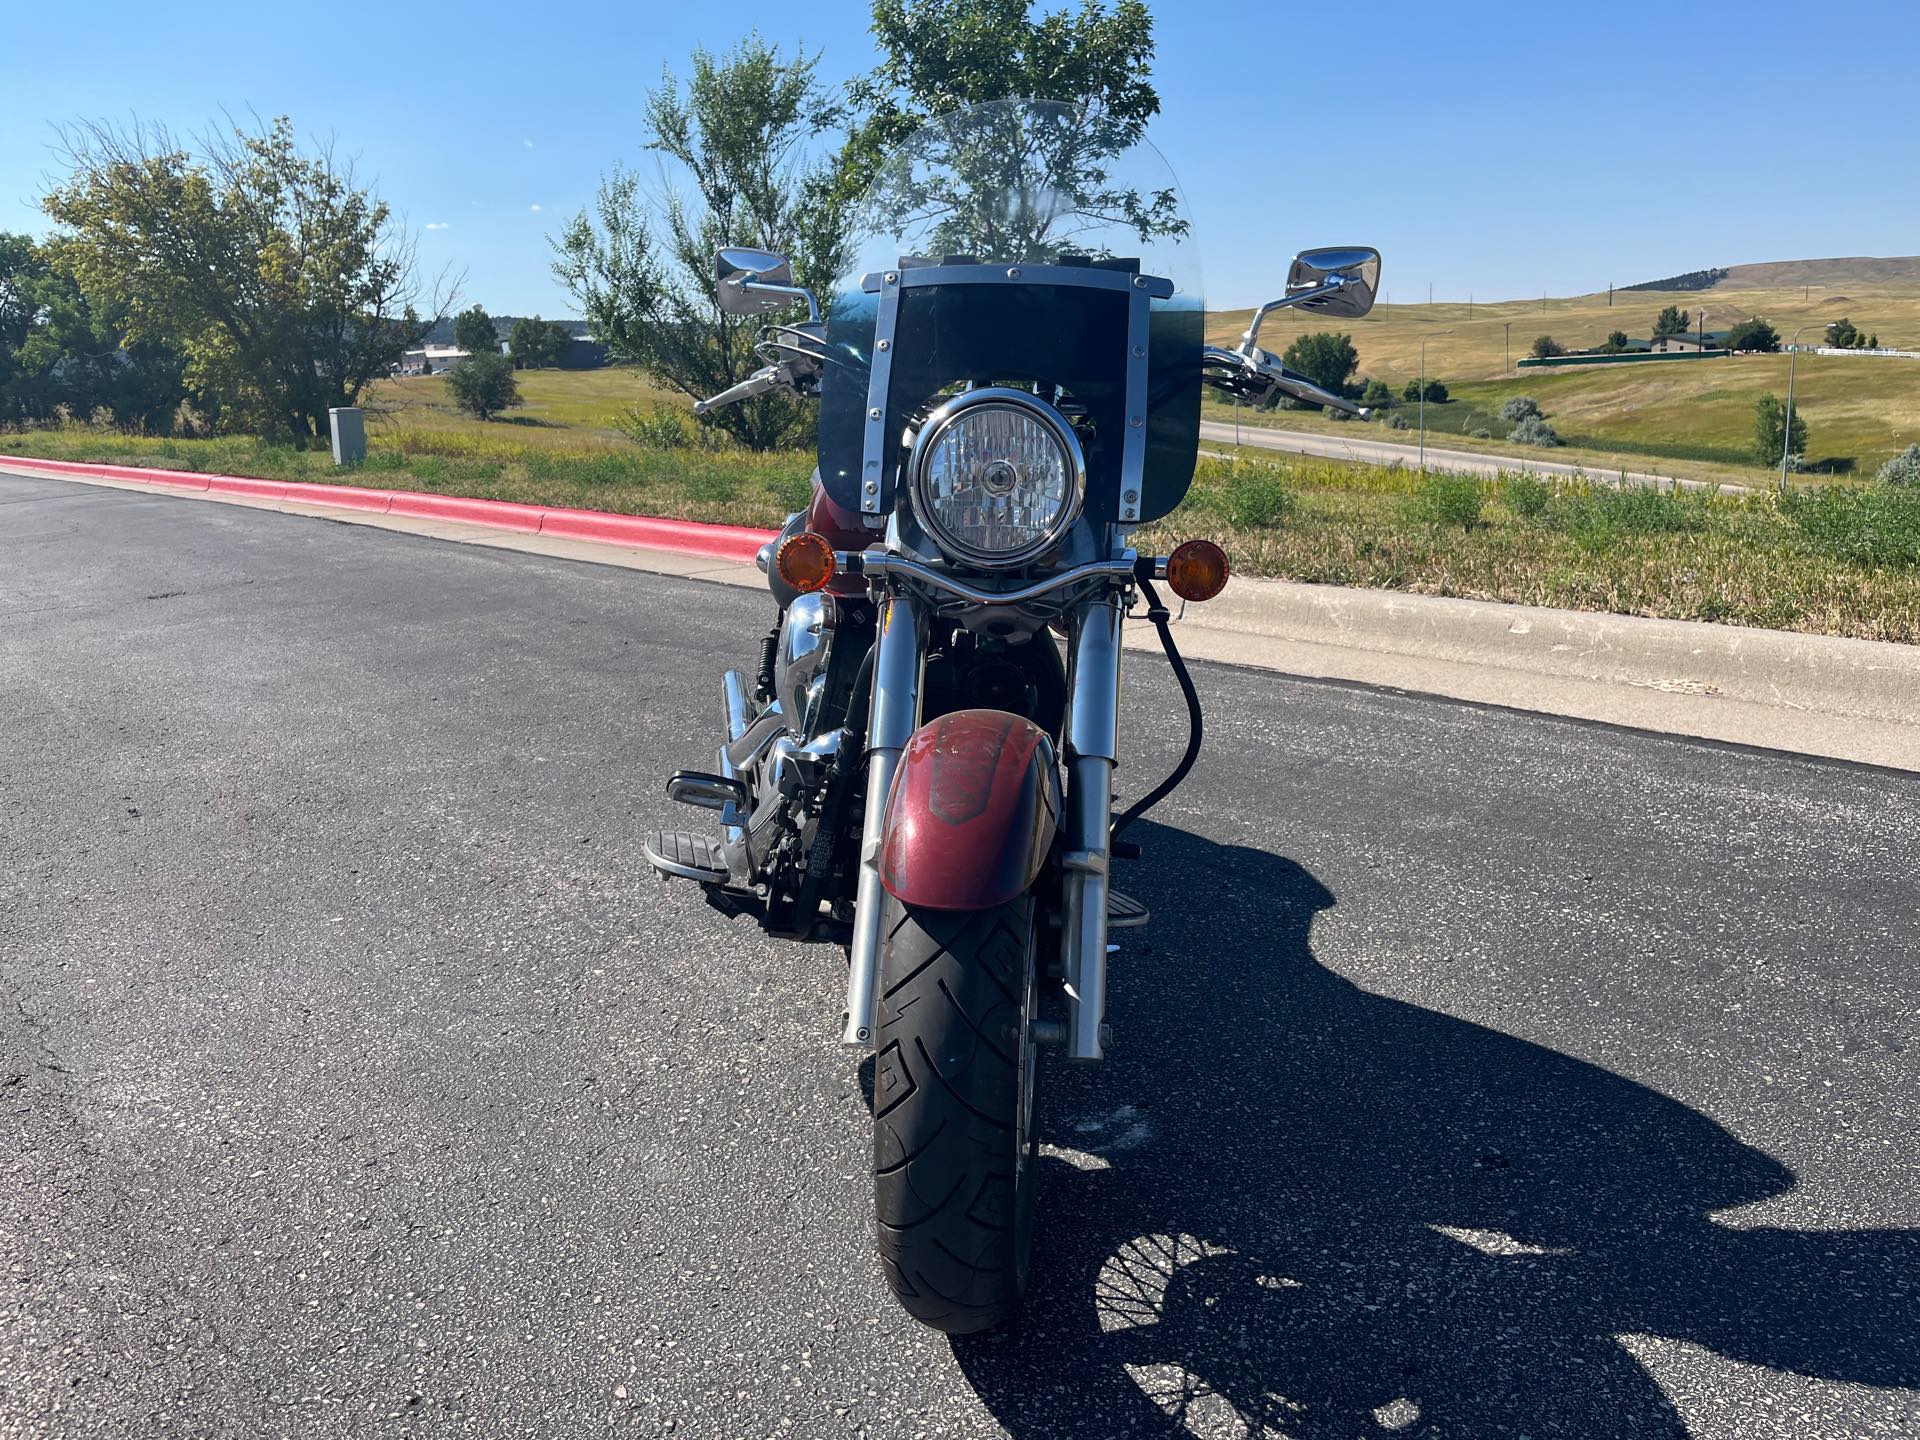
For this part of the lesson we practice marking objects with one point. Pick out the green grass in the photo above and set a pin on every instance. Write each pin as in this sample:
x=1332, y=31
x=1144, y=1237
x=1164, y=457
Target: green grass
x=1842, y=560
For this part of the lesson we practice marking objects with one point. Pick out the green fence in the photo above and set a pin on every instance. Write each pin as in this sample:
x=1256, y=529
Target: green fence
x=1533, y=362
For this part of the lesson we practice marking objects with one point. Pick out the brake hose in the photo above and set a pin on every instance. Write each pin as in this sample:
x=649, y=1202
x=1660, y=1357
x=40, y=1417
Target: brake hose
x=1160, y=616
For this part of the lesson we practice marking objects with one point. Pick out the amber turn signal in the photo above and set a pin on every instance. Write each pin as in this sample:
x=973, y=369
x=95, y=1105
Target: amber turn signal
x=1197, y=570
x=805, y=561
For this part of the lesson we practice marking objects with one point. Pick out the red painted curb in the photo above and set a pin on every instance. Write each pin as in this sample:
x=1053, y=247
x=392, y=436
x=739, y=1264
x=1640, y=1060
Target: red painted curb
x=648, y=532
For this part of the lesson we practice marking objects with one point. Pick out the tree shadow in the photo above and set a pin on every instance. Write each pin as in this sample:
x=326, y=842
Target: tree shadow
x=1336, y=1214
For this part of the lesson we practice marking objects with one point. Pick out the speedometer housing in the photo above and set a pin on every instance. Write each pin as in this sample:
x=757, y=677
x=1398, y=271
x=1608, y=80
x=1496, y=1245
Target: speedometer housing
x=998, y=477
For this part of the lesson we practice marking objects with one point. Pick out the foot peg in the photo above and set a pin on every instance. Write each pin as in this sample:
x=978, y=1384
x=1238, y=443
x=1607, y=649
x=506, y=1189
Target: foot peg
x=704, y=791
x=1124, y=912
x=686, y=855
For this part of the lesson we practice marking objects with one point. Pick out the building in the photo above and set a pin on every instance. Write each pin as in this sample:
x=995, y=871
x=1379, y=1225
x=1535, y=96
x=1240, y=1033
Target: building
x=430, y=360
x=1691, y=343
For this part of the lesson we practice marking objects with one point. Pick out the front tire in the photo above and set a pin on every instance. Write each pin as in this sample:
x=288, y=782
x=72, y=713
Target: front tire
x=953, y=1145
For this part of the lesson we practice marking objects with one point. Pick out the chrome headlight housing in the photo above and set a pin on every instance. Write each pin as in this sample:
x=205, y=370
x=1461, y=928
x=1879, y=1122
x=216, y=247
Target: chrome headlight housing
x=998, y=477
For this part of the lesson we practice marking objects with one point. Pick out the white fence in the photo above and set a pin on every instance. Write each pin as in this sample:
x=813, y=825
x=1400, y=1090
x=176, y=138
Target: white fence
x=1836, y=350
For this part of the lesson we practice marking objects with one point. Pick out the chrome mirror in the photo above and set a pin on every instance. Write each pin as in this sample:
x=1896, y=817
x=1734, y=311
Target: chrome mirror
x=751, y=282
x=1338, y=282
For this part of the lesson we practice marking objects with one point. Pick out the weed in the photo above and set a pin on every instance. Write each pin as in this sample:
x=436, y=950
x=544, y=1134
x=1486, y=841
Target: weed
x=1448, y=499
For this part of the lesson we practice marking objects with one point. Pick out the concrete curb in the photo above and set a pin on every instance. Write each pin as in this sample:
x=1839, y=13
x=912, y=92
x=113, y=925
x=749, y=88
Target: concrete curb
x=1854, y=700
x=725, y=542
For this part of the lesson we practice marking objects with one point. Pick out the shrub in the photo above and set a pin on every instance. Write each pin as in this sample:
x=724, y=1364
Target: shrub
x=1436, y=392
x=1376, y=396
x=1902, y=469
x=1520, y=407
x=1254, y=496
x=1448, y=499
x=1399, y=422
x=1525, y=495
x=1534, y=430
x=1480, y=432
x=1545, y=347
x=1876, y=527
x=658, y=427
x=483, y=385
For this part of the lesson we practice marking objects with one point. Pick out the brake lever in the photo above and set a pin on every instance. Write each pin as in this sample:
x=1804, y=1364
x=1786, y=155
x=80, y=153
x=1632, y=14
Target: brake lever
x=767, y=377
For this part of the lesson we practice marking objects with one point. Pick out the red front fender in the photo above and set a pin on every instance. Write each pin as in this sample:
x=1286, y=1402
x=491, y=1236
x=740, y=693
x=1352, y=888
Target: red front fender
x=974, y=806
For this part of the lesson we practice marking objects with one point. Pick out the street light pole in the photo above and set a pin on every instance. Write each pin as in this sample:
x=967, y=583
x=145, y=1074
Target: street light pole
x=1786, y=433
x=1423, y=399
x=1509, y=347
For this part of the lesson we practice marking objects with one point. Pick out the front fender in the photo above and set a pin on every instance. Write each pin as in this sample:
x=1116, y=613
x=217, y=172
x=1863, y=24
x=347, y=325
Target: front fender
x=972, y=813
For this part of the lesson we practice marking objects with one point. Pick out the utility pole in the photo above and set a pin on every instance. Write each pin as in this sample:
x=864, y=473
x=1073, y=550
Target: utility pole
x=1609, y=294
x=1509, y=347
x=1429, y=292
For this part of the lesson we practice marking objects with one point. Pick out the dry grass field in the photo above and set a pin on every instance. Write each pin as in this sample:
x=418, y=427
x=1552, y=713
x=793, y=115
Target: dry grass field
x=1859, y=410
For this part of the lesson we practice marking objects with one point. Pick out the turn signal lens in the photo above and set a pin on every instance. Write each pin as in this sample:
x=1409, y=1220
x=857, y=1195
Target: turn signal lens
x=1197, y=570
x=804, y=561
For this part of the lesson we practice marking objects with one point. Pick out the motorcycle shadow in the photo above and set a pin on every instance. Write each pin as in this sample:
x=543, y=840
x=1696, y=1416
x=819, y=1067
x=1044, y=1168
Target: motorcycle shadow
x=1330, y=1213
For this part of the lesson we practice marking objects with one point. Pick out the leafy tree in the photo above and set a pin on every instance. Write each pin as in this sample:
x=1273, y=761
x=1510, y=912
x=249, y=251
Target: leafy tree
x=1672, y=321
x=61, y=349
x=1377, y=395
x=641, y=265
x=1753, y=335
x=483, y=384
x=1873, y=342
x=1436, y=393
x=1324, y=358
x=1616, y=342
x=938, y=56
x=1769, y=431
x=1841, y=334
x=284, y=283
x=474, y=331
x=537, y=343
x=1545, y=347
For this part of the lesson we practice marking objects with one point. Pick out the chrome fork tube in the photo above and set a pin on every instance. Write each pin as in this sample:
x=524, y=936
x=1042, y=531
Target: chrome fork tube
x=898, y=655
x=1093, y=717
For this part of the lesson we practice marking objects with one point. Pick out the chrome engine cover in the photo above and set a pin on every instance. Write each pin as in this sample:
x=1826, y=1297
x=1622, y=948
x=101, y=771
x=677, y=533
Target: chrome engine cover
x=806, y=637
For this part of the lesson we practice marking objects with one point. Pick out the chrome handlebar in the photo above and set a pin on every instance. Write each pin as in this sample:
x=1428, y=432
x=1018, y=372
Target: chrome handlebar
x=1255, y=376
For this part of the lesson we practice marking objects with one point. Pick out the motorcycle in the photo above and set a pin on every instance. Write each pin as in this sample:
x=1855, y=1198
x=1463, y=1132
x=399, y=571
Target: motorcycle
x=922, y=765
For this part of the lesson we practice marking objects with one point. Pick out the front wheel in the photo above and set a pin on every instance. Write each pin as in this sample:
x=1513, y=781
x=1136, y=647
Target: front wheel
x=953, y=1144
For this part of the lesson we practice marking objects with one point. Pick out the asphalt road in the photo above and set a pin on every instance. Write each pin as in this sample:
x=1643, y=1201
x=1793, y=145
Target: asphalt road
x=1462, y=462
x=1481, y=1074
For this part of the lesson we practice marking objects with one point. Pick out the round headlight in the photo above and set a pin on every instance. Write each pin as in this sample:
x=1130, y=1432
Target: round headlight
x=997, y=477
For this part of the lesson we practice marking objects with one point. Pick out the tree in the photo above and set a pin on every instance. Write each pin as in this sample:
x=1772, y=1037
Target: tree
x=1436, y=393
x=1616, y=342
x=537, y=344
x=1841, y=334
x=284, y=283
x=1752, y=335
x=61, y=349
x=1376, y=396
x=1545, y=347
x=1769, y=430
x=1672, y=321
x=483, y=384
x=1324, y=358
x=641, y=265
x=475, y=332
x=944, y=55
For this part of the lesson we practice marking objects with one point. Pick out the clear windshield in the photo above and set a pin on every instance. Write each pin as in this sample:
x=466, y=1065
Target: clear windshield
x=1020, y=183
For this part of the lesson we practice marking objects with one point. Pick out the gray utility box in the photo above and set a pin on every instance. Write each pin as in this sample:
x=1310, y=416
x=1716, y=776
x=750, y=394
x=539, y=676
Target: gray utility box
x=349, y=436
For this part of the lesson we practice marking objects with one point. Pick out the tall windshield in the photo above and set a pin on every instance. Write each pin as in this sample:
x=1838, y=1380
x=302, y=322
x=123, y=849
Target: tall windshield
x=1020, y=183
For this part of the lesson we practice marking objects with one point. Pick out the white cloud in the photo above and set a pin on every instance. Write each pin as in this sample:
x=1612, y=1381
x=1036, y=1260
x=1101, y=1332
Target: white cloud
x=527, y=143
x=437, y=225
x=533, y=207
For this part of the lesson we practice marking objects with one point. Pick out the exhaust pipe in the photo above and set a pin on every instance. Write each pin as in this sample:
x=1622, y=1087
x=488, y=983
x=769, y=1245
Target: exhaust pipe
x=733, y=839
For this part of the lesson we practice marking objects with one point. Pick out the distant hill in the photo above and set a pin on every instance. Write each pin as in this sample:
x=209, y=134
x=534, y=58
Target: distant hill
x=442, y=333
x=1780, y=274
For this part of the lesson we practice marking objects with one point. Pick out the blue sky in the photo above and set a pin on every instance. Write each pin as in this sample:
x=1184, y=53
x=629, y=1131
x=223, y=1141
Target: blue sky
x=1497, y=150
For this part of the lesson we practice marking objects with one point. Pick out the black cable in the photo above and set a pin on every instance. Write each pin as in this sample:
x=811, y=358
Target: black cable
x=1160, y=616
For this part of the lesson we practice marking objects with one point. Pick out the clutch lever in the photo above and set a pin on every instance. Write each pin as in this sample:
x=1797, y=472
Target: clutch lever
x=767, y=377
